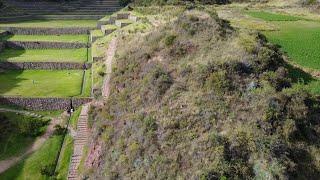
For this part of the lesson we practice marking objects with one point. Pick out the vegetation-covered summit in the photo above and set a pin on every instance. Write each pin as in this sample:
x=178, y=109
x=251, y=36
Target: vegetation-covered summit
x=196, y=98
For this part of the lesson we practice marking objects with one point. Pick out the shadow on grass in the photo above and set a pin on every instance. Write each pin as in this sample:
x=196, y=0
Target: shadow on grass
x=9, y=72
x=298, y=75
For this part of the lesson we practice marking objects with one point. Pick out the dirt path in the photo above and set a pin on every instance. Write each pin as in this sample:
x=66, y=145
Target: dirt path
x=6, y=164
x=108, y=62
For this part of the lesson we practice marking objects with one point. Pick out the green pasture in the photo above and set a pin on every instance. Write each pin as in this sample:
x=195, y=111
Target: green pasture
x=30, y=168
x=44, y=55
x=41, y=83
x=299, y=39
x=52, y=23
x=18, y=132
x=48, y=38
x=270, y=16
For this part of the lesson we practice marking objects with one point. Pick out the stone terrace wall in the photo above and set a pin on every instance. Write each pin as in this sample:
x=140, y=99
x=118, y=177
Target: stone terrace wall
x=47, y=31
x=2, y=46
x=41, y=104
x=44, y=45
x=44, y=65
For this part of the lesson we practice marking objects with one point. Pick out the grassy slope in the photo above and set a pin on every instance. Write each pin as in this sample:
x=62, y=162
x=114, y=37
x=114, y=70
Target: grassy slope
x=31, y=166
x=39, y=83
x=74, y=118
x=44, y=55
x=13, y=143
x=65, y=156
x=52, y=23
x=87, y=84
x=180, y=108
x=49, y=38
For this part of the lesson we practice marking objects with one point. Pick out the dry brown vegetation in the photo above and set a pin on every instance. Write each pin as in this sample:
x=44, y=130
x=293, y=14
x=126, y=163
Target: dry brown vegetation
x=196, y=99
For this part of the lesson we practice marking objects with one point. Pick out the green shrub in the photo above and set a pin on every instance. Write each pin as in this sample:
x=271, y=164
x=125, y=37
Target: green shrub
x=169, y=40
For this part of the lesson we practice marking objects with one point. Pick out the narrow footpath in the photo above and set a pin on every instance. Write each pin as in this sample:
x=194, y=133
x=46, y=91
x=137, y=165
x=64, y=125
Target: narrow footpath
x=79, y=143
x=108, y=62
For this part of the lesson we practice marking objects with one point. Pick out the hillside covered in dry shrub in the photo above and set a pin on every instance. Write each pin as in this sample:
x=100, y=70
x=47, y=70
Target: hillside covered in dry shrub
x=197, y=99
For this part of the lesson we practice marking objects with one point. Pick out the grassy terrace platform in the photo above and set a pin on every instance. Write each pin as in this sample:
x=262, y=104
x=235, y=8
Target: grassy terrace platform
x=41, y=83
x=52, y=23
x=48, y=38
x=44, y=55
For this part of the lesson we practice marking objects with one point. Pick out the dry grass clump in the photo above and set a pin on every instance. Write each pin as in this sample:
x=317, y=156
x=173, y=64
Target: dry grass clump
x=195, y=99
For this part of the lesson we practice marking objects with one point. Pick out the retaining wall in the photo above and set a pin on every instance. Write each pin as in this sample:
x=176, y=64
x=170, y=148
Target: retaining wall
x=123, y=15
x=2, y=46
x=44, y=45
x=44, y=65
x=41, y=104
x=47, y=31
x=97, y=58
x=49, y=17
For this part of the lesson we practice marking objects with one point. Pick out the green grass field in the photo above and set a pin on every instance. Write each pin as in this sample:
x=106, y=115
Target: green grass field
x=74, y=118
x=52, y=23
x=300, y=39
x=48, y=38
x=30, y=168
x=44, y=55
x=268, y=16
x=65, y=156
x=41, y=83
x=14, y=138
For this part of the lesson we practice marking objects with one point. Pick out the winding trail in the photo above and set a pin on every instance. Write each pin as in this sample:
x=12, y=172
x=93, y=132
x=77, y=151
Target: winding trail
x=6, y=164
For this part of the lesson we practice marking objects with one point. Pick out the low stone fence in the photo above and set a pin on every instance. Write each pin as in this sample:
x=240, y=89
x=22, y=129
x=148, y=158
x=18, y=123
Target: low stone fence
x=44, y=65
x=47, y=31
x=41, y=104
x=44, y=45
x=3, y=44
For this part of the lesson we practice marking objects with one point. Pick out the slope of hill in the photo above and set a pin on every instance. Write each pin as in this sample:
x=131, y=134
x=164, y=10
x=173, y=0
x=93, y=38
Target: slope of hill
x=196, y=98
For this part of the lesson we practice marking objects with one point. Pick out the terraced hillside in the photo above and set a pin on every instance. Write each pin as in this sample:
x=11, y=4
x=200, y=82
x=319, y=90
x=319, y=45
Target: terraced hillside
x=45, y=59
x=75, y=7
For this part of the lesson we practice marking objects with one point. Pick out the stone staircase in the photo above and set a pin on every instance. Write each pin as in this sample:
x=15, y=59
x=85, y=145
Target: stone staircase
x=80, y=141
x=76, y=7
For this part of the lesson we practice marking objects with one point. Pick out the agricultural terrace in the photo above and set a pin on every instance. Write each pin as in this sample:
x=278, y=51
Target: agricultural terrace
x=47, y=83
x=52, y=23
x=41, y=83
